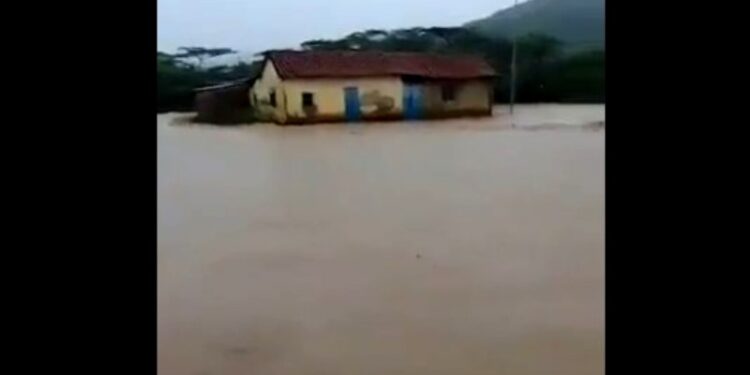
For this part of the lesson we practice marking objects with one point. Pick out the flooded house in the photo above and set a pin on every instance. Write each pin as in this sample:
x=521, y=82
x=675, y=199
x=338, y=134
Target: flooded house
x=300, y=87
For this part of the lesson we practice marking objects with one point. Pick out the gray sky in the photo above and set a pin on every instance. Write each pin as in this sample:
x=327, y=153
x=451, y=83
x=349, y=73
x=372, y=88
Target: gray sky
x=254, y=25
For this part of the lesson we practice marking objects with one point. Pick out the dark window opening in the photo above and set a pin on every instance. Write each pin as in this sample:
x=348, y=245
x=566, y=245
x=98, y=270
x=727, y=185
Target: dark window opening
x=307, y=99
x=272, y=98
x=449, y=93
x=413, y=79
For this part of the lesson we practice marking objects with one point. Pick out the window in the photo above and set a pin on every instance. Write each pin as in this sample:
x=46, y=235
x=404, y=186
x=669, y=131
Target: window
x=307, y=99
x=449, y=93
x=272, y=98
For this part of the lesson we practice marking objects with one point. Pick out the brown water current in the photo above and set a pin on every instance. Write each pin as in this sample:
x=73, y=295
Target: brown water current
x=445, y=247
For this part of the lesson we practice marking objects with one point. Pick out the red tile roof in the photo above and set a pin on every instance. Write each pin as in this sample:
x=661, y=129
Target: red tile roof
x=323, y=64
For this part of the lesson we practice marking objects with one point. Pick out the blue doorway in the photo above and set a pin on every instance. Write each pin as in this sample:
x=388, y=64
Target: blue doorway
x=351, y=104
x=412, y=102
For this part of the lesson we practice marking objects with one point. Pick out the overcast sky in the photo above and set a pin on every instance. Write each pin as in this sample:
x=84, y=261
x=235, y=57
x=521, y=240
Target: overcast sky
x=254, y=25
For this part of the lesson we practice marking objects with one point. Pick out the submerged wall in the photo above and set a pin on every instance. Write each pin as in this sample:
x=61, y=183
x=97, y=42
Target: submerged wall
x=379, y=98
x=470, y=98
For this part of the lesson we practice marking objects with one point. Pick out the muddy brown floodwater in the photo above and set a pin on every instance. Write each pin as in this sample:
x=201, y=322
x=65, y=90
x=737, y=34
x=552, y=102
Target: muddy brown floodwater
x=448, y=247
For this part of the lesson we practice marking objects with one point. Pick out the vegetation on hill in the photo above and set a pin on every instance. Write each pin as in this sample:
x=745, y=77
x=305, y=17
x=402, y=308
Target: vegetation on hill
x=577, y=23
x=545, y=72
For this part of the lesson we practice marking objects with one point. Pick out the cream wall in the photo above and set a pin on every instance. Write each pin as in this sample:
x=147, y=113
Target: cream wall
x=469, y=95
x=382, y=95
x=261, y=90
x=474, y=95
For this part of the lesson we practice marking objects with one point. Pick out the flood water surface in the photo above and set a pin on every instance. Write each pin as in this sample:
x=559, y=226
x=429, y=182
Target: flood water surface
x=447, y=247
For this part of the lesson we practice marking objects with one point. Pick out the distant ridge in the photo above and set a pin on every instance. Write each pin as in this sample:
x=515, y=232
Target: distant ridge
x=578, y=23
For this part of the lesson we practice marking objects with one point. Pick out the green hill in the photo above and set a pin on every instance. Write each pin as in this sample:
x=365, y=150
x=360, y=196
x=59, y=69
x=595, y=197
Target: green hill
x=578, y=23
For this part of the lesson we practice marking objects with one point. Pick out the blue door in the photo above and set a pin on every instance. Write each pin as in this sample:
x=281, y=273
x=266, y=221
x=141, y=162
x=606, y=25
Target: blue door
x=412, y=102
x=351, y=104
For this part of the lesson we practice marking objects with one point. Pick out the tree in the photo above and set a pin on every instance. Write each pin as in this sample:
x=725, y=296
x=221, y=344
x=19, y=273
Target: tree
x=201, y=53
x=264, y=54
x=580, y=77
x=176, y=80
x=538, y=57
x=539, y=47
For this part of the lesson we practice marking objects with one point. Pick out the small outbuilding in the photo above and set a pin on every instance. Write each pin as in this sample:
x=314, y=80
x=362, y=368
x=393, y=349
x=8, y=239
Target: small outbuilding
x=225, y=103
